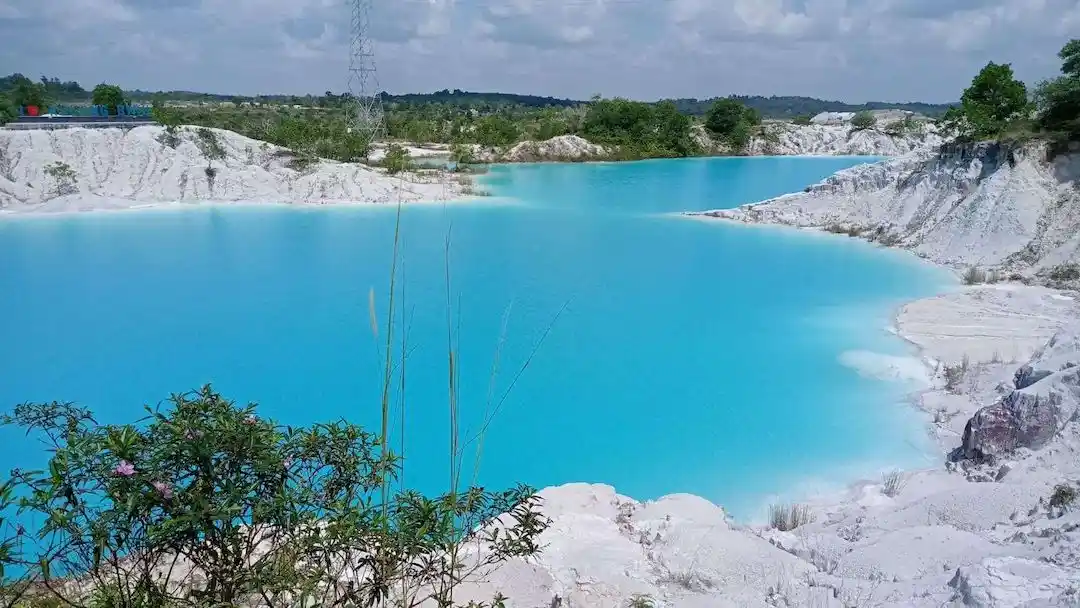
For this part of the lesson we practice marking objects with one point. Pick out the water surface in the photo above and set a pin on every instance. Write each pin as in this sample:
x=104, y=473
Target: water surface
x=687, y=356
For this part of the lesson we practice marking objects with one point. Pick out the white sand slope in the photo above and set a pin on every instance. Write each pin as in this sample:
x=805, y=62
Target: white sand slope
x=985, y=204
x=116, y=168
x=840, y=140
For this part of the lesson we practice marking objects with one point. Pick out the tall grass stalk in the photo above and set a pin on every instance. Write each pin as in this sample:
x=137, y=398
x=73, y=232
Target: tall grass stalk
x=459, y=442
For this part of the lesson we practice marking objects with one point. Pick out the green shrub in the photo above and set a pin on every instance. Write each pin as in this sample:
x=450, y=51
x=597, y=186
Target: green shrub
x=8, y=112
x=64, y=178
x=863, y=120
x=209, y=144
x=396, y=159
x=802, y=119
x=260, y=512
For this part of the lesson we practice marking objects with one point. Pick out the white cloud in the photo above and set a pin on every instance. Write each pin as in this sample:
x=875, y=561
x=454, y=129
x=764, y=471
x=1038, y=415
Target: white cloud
x=851, y=49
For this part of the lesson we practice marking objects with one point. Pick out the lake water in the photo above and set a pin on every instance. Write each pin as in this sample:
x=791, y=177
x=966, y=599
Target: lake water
x=682, y=356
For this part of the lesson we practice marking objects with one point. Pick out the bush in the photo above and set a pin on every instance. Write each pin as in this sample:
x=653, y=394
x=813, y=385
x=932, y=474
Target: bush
x=1065, y=272
x=892, y=483
x=64, y=178
x=955, y=374
x=209, y=144
x=639, y=130
x=732, y=122
x=462, y=154
x=863, y=120
x=802, y=119
x=974, y=276
x=788, y=517
x=233, y=509
x=110, y=96
x=8, y=112
x=1063, y=496
x=396, y=159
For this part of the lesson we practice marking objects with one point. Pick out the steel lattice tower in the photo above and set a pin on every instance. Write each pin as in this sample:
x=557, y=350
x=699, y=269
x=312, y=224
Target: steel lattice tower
x=365, y=113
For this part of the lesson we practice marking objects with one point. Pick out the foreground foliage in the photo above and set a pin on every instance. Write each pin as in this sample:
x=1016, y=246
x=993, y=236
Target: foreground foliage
x=204, y=503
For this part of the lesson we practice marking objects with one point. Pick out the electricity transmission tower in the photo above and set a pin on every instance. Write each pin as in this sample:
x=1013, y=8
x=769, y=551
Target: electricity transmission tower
x=365, y=111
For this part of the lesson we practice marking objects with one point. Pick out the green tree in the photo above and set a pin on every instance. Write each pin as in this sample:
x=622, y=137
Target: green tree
x=724, y=116
x=994, y=98
x=863, y=120
x=26, y=92
x=110, y=96
x=1058, y=100
x=8, y=112
x=732, y=122
x=1070, y=58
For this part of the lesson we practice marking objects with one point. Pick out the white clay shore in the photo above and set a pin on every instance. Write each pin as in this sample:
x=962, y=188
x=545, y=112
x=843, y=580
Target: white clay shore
x=127, y=168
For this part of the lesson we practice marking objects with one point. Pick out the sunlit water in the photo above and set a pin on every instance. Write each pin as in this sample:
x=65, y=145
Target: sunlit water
x=682, y=356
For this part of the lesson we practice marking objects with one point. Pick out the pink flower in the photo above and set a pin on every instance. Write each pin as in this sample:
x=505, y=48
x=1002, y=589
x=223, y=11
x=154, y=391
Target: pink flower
x=164, y=488
x=124, y=469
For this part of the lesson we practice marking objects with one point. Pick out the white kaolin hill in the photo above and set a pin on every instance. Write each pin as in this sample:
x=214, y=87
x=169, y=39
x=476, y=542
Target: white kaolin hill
x=118, y=168
x=787, y=139
x=987, y=205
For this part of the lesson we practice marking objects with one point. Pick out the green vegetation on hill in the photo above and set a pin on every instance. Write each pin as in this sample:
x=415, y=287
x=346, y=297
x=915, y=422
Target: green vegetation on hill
x=639, y=130
x=998, y=106
x=732, y=122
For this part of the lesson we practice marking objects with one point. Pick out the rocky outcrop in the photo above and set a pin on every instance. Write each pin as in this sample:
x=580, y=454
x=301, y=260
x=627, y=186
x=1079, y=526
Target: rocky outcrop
x=73, y=169
x=842, y=140
x=1011, y=582
x=561, y=148
x=1046, y=398
x=986, y=204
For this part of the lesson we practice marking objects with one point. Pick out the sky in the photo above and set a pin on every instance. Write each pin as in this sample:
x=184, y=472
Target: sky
x=851, y=50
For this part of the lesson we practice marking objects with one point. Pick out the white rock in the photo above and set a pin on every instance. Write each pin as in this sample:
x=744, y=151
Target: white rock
x=563, y=147
x=1010, y=582
x=841, y=139
x=117, y=168
x=985, y=204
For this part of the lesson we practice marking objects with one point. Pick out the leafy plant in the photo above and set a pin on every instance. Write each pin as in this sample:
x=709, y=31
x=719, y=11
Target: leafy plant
x=802, y=119
x=8, y=112
x=110, y=96
x=732, y=122
x=205, y=502
x=862, y=121
x=64, y=178
x=396, y=159
x=209, y=144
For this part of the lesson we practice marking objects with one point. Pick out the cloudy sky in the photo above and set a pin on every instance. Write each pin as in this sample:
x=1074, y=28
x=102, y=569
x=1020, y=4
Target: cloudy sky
x=854, y=50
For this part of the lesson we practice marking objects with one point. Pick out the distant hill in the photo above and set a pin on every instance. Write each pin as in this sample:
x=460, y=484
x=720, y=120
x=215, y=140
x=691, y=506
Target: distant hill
x=770, y=107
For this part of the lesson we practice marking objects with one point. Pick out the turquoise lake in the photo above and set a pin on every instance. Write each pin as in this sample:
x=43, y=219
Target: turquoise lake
x=689, y=356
